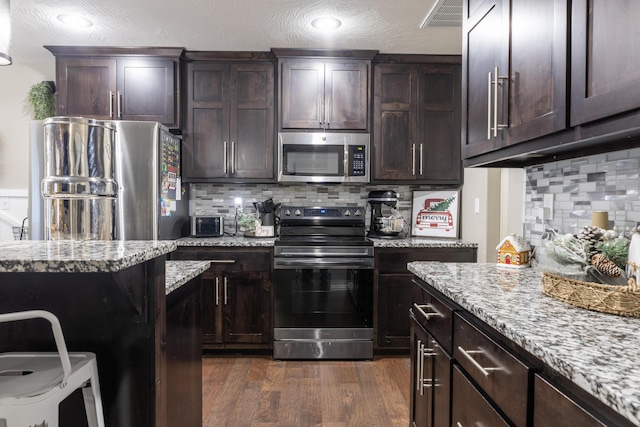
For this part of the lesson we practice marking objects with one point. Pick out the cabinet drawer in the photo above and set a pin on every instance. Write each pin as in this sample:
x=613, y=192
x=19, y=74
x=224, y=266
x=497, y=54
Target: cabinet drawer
x=227, y=260
x=395, y=261
x=469, y=407
x=499, y=373
x=552, y=407
x=437, y=318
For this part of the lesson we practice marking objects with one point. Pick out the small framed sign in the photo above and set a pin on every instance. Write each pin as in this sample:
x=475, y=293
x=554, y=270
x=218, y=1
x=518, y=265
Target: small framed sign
x=435, y=213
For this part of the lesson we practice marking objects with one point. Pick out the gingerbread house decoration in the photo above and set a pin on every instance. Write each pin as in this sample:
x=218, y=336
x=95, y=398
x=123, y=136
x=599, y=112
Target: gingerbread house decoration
x=513, y=251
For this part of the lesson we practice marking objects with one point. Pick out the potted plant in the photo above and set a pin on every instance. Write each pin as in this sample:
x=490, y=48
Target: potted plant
x=42, y=101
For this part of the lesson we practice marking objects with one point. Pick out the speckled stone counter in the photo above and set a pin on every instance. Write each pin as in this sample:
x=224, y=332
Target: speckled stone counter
x=37, y=256
x=408, y=242
x=227, y=241
x=177, y=273
x=598, y=352
x=422, y=242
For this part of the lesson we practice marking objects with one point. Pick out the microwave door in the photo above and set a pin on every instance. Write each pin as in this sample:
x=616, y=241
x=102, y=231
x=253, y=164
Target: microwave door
x=308, y=161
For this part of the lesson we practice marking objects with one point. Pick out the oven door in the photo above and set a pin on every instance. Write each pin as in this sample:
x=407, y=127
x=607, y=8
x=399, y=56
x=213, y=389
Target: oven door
x=323, y=308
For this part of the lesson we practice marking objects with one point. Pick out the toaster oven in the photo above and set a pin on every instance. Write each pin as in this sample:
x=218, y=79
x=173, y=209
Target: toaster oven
x=207, y=226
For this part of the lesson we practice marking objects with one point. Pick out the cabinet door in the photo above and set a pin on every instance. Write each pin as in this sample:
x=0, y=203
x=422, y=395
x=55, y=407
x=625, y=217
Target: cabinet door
x=211, y=325
x=394, y=302
x=302, y=95
x=246, y=308
x=252, y=116
x=394, y=123
x=538, y=69
x=207, y=131
x=421, y=373
x=484, y=47
x=86, y=87
x=442, y=363
x=605, y=59
x=346, y=94
x=146, y=90
x=438, y=143
x=468, y=406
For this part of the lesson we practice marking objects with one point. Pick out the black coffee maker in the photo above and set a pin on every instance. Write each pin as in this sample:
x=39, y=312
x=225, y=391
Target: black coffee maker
x=386, y=220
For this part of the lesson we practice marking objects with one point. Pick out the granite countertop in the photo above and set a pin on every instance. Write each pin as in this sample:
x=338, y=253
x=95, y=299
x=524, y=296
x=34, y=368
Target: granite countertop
x=177, y=273
x=87, y=256
x=597, y=351
x=241, y=241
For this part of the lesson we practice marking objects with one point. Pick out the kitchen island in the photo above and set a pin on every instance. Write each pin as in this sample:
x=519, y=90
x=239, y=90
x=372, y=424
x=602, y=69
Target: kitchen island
x=119, y=300
x=596, y=352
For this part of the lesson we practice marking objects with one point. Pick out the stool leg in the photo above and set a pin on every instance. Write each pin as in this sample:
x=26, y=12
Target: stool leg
x=93, y=400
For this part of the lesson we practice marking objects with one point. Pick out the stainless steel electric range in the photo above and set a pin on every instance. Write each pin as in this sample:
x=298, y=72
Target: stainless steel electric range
x=323, y=284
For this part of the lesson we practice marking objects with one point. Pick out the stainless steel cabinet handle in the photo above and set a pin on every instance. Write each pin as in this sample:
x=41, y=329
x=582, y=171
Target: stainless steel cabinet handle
x=119, y=99
x=429, y=315
x=489, y=106
x=217, y=289
x=222, y=261
x=225, y=157
x=421, y=159
x=413, y=159
x=233, y=157
x=111, y=104
x=468, y=354
x=418, y=364
x=496, y=81
x=458, y=424
x=225, y=290
x=424, y=382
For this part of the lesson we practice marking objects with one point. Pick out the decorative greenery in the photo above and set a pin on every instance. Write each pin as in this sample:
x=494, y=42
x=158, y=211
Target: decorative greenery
x=42, y=101
x=567, y=249
x=442, y=206
x=617, y=250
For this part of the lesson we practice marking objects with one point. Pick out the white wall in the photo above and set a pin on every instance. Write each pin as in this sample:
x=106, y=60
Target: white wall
x=499, y=195
x=15, y=114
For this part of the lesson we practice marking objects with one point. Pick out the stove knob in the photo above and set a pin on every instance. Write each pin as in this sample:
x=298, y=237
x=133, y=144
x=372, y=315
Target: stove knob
x=287, y=212
x=347, y=212
x=297, y=212
x=357, y=212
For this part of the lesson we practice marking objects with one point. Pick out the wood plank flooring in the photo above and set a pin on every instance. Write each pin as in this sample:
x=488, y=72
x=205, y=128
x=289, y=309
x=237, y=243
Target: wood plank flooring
x=256, y=391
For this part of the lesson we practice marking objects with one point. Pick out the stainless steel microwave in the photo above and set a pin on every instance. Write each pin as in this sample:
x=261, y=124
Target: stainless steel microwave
x=323, y=157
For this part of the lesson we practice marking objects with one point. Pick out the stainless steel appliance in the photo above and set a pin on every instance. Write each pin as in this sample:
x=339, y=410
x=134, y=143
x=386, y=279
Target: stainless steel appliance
x=112, y=180
x=323, y=157
x=207, y=226
x=323, y=284
x=386, y=220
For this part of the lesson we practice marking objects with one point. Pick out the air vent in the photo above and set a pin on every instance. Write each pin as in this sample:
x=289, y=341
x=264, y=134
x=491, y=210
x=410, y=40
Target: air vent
x=445, y=13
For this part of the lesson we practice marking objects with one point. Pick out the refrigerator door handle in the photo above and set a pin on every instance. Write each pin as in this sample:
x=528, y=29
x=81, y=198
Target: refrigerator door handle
x=224, y=157
x=233, y=157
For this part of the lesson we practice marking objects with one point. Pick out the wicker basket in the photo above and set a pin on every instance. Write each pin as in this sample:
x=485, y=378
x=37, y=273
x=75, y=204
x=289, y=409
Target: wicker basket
x=612, y=299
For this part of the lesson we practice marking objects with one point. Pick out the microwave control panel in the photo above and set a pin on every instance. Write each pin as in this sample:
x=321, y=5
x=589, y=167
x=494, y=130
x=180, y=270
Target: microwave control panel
x=357, y=160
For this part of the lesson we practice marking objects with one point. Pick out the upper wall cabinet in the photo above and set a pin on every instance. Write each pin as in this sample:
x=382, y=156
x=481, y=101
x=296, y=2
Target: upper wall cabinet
x=229, y=133
x=416, y=119
x=605, y=59
x=118, y=83
x=514, y=72
x=328, y=90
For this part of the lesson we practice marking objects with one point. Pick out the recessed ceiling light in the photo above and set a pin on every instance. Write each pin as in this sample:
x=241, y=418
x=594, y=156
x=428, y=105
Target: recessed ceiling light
x=74, y=20
x=326, y=23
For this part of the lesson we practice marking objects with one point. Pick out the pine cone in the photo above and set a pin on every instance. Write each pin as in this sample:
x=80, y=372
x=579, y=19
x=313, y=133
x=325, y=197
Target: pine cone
x=605, y=266
x=591, y=235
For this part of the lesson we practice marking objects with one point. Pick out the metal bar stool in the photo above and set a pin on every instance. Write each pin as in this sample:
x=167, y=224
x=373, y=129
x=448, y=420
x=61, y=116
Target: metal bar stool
x=32, y=385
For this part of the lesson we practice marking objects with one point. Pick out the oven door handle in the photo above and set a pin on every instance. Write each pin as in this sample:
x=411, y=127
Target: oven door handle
x=295, y=263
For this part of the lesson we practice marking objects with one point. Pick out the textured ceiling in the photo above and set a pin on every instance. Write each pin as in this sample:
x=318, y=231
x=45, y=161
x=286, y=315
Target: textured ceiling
x=390, y=26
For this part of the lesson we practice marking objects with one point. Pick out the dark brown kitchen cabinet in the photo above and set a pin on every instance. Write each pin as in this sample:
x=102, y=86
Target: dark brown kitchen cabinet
x=325, y=95
x=469, y=407
x=421, y=412
x=605, y=60
x=552, y=407
x=393, y=290
x=236, y=297
x=118, y=83
x=416, y=122
x=229, y=133
x=514, y=79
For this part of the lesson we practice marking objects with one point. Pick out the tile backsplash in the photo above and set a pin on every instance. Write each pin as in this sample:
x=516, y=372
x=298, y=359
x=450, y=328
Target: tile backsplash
x=605, y=182
x=219, y=199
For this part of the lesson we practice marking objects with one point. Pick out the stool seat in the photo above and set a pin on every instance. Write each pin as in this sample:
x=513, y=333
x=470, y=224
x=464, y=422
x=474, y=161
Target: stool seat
x=32, y=385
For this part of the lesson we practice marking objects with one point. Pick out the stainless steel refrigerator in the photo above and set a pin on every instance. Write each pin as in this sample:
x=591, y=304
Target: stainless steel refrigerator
x=110, y=180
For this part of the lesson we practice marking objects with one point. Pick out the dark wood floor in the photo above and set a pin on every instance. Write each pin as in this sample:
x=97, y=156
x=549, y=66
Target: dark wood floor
x=257, y=391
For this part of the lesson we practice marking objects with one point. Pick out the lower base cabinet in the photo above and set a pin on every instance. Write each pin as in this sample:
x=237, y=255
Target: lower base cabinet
x=236, y=297
x=475, y=376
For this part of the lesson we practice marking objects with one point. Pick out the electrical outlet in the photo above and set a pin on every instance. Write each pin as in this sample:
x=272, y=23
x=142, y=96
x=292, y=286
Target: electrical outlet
x=4, y=203
x=476, y=205
x=547, y=206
